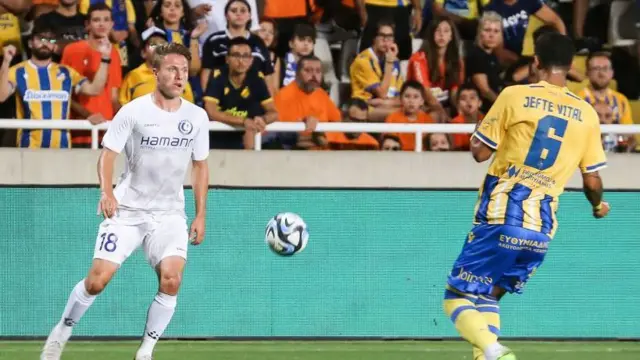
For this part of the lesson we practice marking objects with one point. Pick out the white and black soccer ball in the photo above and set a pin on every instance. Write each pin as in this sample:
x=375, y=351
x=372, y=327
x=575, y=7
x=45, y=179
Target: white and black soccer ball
x=286, y=234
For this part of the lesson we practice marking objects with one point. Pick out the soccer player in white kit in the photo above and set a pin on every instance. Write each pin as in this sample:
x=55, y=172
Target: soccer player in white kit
x=159, y=133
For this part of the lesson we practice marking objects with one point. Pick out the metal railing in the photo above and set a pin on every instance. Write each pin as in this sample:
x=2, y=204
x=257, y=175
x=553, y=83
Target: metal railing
x=418, y=129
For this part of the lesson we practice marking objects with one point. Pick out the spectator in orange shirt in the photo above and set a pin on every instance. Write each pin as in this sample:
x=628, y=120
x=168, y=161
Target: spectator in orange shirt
x=304, y=100
x=438, y=65
x=84, y=57
x=412, y=98
x=469, y=104
x=357, y=111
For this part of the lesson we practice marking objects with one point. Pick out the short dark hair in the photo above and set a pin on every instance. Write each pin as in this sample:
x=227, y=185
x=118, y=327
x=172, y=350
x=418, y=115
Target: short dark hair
x=545, y=29
x=554, y=50
x=302, y=31
x=98, y=7
x=467, y=87
x=382, y=23
x=597, y=54
x=42, y=27
x=238, y=41
x=358, y=103
x=161, y=51
x=413, y=84
x=305, y=59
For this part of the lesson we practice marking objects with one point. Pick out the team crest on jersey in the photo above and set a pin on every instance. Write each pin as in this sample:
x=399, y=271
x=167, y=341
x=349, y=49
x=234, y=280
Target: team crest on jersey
x=185, y=127
x=245, y=92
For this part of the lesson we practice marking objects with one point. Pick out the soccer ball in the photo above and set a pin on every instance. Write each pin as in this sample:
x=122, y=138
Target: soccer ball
x=286, y=234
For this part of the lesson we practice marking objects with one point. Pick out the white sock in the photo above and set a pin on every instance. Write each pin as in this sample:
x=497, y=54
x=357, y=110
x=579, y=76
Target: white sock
x=493, y=351
x=78, y=303
x=158, y=318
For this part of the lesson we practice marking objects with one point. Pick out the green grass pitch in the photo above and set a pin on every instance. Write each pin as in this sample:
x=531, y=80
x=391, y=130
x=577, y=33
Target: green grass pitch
x=323, y=350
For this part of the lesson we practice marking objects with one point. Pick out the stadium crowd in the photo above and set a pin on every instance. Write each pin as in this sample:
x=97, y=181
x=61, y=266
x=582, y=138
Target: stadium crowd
x=259, y=61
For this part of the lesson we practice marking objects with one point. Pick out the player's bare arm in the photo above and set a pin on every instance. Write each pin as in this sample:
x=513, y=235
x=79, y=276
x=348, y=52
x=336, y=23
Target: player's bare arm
x=96, y=86
x=481, y=152
x=108, y=202
x=593, y=189
x=200, y=182
x=6, y=87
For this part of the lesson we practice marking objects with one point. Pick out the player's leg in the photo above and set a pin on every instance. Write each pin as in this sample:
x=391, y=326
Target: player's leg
x=481, y=261
x=110, y=251
x=166, y=251
x=488, y=306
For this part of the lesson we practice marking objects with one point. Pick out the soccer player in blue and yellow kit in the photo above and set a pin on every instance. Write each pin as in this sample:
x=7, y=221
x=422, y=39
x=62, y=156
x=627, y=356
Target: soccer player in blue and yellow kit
x=539, y=134
x=44, y=89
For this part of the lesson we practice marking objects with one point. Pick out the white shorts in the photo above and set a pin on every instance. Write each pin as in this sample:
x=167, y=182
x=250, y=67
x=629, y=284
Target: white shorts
x=160, y=235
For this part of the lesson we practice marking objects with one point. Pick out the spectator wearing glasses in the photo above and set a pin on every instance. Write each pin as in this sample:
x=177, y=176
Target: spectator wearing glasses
x=375, y=74
x=44, y=89
x=357, y=110
x=600, y=74
x=238, y=97
x=85, y=58
x=215, y=48
x=141, y=80
x=68, y=22
x=397, y=12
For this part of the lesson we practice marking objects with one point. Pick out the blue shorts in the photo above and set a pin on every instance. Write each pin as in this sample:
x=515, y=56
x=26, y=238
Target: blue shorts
x=498, y=255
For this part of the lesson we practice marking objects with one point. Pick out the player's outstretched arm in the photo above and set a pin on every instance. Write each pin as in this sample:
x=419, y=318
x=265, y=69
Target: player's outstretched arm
x=200, y=182
x=593, y=190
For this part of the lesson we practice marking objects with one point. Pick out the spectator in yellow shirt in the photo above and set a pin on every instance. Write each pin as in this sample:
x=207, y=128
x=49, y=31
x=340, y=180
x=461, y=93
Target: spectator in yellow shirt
x=600, y=74
x=375, y=74
x=141, y=80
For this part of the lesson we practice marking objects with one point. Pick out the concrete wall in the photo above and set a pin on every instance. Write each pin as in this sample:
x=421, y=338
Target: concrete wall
x=299, y=169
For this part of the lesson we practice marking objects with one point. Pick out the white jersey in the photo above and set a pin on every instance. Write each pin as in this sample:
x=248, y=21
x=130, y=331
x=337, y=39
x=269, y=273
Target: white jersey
x=158, y=146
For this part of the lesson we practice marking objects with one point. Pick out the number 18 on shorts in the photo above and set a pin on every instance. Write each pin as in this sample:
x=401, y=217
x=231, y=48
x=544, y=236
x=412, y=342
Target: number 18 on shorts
x=160, y=237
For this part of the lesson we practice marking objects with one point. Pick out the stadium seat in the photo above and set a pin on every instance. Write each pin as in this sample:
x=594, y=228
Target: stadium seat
x=635, y=110
x=347, y=55
x=622, y=14
x=416, y=44
x=323, y=51
x=527, y=45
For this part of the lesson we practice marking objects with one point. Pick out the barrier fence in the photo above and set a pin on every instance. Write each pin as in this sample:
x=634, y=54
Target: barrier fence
x=418, y=129
x=376, y=266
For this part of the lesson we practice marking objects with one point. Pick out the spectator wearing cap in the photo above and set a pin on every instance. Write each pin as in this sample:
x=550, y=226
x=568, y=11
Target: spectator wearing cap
x=84, y=57
x=215, y=48
x=141, y=80
x=238, y=97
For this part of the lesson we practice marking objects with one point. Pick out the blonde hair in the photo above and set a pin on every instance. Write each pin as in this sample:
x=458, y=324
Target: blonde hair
x=161, y=51
x=487, y=17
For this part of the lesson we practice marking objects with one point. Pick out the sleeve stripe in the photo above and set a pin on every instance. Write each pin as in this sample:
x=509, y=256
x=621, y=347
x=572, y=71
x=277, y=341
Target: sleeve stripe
x=210, y=98
x=485, y=140
x=595, y=167
x=267, y=101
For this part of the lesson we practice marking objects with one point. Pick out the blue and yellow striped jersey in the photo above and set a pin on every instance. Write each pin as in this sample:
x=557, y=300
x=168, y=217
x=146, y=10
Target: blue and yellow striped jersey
x=541, y=134
x=43, y=93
